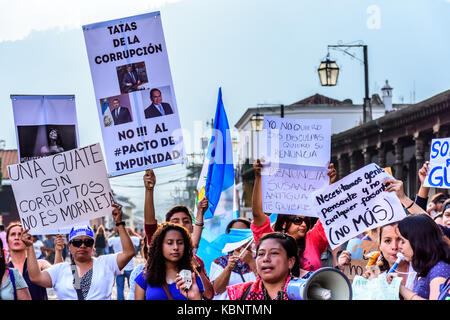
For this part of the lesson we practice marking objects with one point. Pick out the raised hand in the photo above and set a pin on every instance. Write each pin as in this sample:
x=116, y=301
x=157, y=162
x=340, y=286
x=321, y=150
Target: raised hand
x=27, y=238
x=149, y=179
x=117, y=212
x=332, y=173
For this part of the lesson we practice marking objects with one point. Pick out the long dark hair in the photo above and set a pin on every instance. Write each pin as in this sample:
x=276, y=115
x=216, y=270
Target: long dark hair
x=426, y=240
x=3, y=266
x=287, y=218
x=289, y=244
x=156, y=267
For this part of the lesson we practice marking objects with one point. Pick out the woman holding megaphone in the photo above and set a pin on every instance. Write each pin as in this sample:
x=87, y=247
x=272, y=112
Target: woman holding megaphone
x=311, y=240
x=277, y=263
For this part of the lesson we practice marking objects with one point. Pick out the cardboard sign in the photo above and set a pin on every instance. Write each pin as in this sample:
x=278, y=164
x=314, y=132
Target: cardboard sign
x=134, y=93
x=288, y=191
x=356, y=203
x=61, y=190
x=358, y=249
x=297, y=142
x=438, y=175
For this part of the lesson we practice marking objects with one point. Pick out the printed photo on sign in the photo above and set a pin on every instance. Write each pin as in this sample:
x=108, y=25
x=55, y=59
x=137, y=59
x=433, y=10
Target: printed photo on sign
x=44, y=140
x=44, y=124
x=132, y=77
x=356, y=203
x=116, y=110
x=61, y=190
x=159, y=102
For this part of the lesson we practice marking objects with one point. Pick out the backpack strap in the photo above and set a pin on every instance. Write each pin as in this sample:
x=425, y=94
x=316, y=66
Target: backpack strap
x=76, y=280
x=166, y=289
x=13, y=281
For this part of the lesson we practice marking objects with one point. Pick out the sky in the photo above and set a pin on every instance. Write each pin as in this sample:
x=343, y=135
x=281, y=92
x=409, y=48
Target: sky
x=258, y=51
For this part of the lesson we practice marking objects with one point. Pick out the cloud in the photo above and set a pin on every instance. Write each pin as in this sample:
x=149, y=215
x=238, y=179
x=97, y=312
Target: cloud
x=18, y=18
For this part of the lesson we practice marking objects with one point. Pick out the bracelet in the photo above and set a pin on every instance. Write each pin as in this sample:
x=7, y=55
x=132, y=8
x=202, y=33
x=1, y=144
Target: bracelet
x=121, y=223
x=199, y=224
x=410, y=205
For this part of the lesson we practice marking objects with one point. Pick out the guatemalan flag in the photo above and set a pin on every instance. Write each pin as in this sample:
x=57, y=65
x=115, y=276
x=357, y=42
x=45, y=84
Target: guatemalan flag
x=217, y=181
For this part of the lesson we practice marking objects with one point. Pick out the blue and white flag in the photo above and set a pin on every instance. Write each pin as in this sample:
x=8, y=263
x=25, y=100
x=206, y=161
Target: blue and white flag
x=106, y=112
x=218, y=186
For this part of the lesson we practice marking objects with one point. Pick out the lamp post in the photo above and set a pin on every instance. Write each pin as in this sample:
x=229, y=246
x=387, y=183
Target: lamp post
x=257, y=122
x=328, y=72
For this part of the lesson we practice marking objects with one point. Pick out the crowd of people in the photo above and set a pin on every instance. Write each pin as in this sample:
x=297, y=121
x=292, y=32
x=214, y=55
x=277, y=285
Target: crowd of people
x=85, y=264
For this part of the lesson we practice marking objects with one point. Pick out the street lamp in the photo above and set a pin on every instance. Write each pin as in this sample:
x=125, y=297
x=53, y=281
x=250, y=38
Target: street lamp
x=328, y=72
x=327, y=69
x=257, y=121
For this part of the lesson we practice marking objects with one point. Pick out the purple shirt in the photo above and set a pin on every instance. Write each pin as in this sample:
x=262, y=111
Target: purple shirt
x=422, y=286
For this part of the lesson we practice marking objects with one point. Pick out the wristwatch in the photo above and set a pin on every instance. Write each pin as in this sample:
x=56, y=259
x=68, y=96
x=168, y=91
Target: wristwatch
x=121, y=223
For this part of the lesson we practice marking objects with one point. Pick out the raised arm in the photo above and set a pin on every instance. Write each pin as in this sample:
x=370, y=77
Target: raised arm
x=202, y=206
x=59, y=247
x=127, y=252
x=259, y=218
x=397, y=186
x=41, y=278
x=149, y=205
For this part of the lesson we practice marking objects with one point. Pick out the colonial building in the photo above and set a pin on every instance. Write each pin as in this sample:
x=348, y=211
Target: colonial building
x=399, y=135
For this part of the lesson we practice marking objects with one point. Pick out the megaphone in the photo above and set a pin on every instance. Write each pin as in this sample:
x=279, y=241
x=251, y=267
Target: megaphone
x=323, y=284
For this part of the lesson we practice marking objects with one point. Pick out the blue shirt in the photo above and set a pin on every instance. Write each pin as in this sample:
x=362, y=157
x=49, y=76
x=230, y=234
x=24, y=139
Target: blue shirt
x=422, y=286
x=158, y=293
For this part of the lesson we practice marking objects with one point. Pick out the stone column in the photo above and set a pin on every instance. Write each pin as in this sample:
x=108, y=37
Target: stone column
x=398, y=164
x=367, y=153
x=353, y=161
x=381, y=155
x=342, y=166
x=420, y=150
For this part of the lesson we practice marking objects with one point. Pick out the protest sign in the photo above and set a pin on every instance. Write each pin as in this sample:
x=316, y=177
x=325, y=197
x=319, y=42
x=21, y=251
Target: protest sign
x=45, y=125
x=297, y=142
x=438, y=176
x=288, y=191
x=134, y=93
x=61, y=190
x=358, y=249
x=356, y=203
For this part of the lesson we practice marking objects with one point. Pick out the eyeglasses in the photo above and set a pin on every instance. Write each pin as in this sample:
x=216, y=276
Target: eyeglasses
x=78, y=242
x=297, y=220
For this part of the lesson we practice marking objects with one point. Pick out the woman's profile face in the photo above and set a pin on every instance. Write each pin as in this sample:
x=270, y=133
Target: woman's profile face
x=272, y=262
x=446, y=218
x=404, y=246
x=173, y=246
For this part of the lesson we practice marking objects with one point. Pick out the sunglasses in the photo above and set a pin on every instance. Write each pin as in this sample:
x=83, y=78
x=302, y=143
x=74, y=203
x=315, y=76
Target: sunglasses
x=298, y=220
x=78, y=242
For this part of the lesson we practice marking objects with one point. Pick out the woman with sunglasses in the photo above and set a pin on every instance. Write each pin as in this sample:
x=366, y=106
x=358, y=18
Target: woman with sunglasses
x=93, y=278
x=311, y=240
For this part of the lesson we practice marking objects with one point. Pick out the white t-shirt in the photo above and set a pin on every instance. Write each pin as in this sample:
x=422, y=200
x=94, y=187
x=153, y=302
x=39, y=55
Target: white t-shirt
x=235, y=278
x=117, y=247
x=105, y=270
x=37, y=248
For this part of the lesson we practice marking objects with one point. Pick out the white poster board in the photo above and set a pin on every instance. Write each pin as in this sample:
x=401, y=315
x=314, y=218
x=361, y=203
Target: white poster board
x=438, y=170
x=45, y=125
x=356, y=203
x=288, y=191
x=61, y=190
x=297, y=142
x=128, y=61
